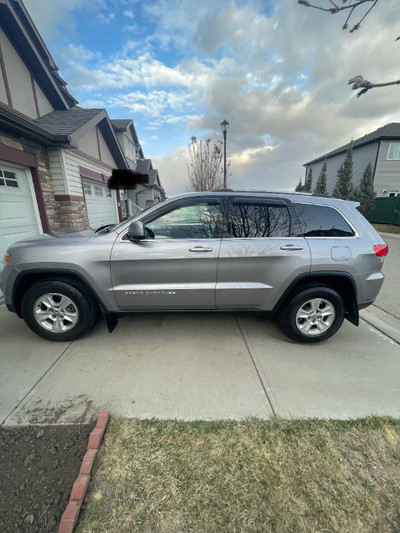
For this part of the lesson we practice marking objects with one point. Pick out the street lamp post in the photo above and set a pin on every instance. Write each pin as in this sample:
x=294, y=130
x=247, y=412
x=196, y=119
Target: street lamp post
x=225, y=126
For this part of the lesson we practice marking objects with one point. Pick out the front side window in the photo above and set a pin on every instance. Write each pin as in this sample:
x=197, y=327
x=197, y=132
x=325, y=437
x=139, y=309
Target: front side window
x=393, y=151
x=321, y=221
x=196, y=221
x=252, y=220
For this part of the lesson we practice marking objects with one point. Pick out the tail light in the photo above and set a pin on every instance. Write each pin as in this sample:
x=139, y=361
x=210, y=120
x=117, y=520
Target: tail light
x=381, y=250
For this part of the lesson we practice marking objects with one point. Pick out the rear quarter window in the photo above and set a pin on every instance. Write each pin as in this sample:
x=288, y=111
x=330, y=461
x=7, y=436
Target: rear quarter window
x=321, y=221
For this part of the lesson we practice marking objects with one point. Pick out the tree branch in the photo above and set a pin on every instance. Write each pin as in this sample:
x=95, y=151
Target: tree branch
x=359, y=82
x=336, y=9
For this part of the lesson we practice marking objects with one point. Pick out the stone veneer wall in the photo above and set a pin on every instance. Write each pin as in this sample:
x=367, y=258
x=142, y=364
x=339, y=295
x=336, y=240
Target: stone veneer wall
x=62, y=215
x=73, y=215
x=42, y=161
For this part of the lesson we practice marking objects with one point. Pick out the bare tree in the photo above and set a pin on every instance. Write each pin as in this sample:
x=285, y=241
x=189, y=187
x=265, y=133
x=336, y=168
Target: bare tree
x=206, y=168
x=355, y=6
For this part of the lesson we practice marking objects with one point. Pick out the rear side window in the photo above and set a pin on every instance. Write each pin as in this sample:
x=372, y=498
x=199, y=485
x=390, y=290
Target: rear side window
x=248, y=219
x=321, y=221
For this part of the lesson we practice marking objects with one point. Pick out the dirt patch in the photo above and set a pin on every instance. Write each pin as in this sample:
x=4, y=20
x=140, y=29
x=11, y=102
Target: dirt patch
x=38, y=466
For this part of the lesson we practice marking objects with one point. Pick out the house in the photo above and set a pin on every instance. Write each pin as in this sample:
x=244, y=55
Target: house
x=142, y=196
x=381, y=148
x=55, y=157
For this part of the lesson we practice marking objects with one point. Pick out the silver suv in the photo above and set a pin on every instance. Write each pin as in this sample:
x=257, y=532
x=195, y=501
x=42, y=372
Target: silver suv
x=313, y=260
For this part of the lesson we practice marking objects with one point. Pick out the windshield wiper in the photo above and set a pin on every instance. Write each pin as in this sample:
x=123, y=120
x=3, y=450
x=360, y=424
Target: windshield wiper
x=105, y=229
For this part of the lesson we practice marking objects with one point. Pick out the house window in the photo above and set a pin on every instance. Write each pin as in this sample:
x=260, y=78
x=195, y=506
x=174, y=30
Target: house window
x=8, y=179
x=393, y=151
x=87, y=188
x=108, y=193
x=98, y=191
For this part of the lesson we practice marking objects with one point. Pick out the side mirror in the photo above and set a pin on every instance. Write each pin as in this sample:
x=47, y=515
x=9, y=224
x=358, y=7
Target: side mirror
x=136, y=231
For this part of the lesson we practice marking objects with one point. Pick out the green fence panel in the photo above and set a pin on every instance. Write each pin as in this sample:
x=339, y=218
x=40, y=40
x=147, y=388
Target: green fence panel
x=387, y=211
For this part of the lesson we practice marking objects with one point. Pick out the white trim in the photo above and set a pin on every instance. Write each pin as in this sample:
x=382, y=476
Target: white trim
x=28, y=174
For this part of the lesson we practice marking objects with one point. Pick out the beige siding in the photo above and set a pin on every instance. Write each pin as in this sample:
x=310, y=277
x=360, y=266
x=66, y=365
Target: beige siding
x=361, y=157
x=19, y=78
x=141, y=195
x=57, y=171
x=387, y=175
x=105, y=153
x=44, y=105
x=121, y=139
x=88, y=144
x=73, y=176
x=72, y=163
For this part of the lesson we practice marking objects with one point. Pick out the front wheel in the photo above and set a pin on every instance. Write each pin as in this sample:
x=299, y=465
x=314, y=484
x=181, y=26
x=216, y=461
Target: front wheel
x=313, y=315
x=58, y=311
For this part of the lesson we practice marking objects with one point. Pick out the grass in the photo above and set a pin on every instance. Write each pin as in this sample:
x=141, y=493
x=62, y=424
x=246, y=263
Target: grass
x=251, y=476
x=387, y=228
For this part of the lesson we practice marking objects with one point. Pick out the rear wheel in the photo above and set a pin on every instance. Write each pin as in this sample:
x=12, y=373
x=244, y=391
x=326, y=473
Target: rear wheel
x=58, y=311
x=313, y=315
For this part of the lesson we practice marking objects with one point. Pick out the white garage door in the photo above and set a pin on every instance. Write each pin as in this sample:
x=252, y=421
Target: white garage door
x=100, y=203
x=19, y=217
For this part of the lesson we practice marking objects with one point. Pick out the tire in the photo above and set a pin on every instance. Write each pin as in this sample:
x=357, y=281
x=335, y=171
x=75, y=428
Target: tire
x=57, y=311
x=313, y=315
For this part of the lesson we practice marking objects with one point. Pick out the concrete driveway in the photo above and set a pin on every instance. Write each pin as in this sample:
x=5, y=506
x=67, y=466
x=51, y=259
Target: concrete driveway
x=195, y=366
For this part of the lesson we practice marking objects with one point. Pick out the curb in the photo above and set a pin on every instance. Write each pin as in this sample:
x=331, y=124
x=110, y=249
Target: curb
x=71, y=513
x=382, y=321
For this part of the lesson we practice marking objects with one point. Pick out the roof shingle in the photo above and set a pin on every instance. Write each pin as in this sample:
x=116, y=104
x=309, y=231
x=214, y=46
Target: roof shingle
x=67, y=122
x=389, y=131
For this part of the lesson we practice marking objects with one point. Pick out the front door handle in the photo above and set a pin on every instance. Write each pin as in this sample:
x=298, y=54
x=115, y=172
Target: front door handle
x=291, y=247
x=200, y=249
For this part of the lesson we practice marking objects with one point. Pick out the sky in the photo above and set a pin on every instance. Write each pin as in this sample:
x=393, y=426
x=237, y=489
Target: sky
x=275, y=70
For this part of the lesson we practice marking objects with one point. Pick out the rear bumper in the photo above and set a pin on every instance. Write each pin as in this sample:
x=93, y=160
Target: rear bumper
x=365, y=304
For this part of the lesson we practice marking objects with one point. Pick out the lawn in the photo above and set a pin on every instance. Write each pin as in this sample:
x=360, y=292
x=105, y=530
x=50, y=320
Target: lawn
x=251, y=476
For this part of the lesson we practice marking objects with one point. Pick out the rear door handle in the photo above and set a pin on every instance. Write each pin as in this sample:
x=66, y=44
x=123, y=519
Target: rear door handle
x=291, y=247
x=198, y=249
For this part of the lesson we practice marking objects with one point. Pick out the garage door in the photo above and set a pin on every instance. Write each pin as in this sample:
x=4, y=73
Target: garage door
x=18, y=216
x=100, y=203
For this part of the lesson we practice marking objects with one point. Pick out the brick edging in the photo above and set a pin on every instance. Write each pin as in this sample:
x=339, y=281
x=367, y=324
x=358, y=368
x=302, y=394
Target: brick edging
x=71, y=513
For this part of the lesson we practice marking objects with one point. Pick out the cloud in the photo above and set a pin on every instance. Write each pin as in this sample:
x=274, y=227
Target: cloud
x=48, y=15
x=129, y=13
x=105, y=18
x=173, y=170
x=275, y=70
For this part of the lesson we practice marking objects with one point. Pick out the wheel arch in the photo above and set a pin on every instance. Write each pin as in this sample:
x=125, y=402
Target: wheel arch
x=342, y=282
x=27, y=278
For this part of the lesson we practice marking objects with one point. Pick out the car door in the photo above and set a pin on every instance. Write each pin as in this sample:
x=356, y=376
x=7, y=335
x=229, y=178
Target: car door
x=175, y=266
x=259, y=255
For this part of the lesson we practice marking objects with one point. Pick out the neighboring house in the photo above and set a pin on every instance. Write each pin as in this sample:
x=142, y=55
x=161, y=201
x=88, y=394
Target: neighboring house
x=142, y=196
x=55, y=157
x=381, y=148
